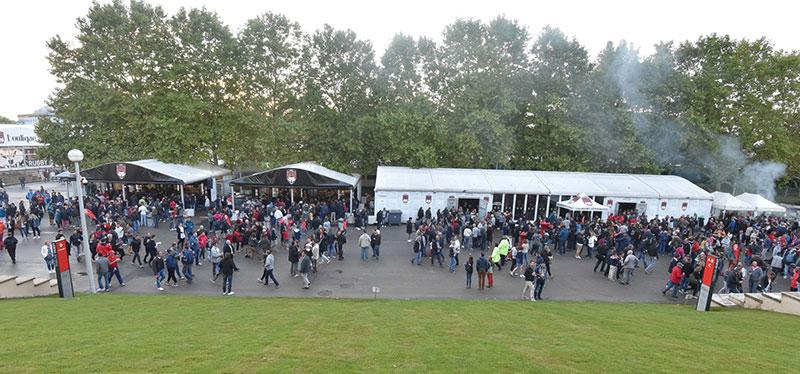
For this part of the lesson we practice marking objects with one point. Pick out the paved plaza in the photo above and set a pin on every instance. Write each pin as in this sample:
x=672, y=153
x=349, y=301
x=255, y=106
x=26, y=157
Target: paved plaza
x=396, y=277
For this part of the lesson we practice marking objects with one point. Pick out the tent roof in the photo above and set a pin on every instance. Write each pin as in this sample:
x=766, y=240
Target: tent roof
x=65, y=175
x=152, y=172
x=760, y=203
x=393, y=178
x=582, y=203
x=307, y=175
x=726, y=201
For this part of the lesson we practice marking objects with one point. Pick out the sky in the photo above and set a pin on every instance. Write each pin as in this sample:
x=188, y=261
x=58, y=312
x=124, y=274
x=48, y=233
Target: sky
x=25, y=81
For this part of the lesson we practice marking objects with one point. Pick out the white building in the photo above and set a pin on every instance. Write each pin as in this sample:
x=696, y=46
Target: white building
x=524, y=192
x=18, y=146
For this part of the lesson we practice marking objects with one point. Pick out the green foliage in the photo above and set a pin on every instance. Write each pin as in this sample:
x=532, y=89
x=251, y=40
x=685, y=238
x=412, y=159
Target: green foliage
x=140, y=83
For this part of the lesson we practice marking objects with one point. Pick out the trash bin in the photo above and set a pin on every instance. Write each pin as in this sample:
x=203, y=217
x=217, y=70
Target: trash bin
x=395, y=217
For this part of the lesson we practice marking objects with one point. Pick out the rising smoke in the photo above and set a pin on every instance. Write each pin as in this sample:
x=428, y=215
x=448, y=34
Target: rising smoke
x=717, y=161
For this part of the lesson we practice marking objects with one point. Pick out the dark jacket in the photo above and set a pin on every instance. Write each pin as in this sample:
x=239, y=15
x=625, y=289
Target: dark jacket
x=305, y=264
x=227, y=266
x=482, y=265
x=10, y=243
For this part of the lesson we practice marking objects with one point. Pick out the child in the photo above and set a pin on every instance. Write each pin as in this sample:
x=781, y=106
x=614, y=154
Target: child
x=468, y=270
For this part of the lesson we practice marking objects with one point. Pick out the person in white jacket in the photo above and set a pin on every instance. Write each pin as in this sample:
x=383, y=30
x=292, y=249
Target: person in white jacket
x=49, y=256
x=216, y=258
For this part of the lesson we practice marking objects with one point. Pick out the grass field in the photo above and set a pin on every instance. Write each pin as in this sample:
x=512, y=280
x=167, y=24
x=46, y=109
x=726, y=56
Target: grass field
x=234, y=334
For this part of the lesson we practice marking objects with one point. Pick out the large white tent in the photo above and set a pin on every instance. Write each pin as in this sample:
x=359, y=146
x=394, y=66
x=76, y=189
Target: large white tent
x=727, y=202
x=761, y=204
x=582, y=203
x=523, y=192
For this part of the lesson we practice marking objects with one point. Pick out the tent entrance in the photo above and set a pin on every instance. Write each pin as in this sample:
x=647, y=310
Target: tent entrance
x=470, y=204
x=626, y=208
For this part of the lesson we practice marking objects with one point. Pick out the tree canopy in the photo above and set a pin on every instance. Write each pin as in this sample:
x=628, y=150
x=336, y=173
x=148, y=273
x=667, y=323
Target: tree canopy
x=140, y=83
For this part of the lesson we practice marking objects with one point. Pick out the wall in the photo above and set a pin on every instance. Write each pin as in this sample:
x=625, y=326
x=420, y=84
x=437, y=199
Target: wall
x=393, y=200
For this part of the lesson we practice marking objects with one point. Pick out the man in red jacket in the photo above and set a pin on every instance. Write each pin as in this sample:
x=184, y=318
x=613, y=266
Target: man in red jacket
x=674, y=281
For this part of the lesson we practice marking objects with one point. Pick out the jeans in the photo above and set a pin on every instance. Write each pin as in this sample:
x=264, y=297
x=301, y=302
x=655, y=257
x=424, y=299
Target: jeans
x=115, y=272
x=364, y=253
x=452, y=265
x=376, y=250
x=102, y=281
x=159, y=278
x=272, y=276
x=537, y=290
x=649, y=263
x=562, y=246
x=227, y=283
x=417, y=258
x=49, y=263
x=187, y=272
x=469, y=279
x=215, y=270
x=673, y=286
x=627, y=274
x=293, y=268
x=331, y=250
x=306, y=282
x=142, y=220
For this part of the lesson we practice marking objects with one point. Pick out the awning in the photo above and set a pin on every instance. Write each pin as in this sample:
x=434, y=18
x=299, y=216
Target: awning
x=152, y=172
x=301, y=175
x=728, y=202
x=581, y=203
x=65, y=176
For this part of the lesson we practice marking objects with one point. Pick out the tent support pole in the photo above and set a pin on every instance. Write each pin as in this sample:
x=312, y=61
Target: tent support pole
x=514, y=207
x=351, y=200
x=182, y=199
x=536, y=209
x=233, y=198
x=525, y=209
x=503, y=203
x=547, y=209
x=291, y=195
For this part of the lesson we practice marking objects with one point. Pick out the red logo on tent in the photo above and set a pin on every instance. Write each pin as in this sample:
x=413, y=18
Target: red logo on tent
x=428, y=199
x=684, y=206
x=405, y=198
x=291, y=176
x=121, y=170
x=2, y=137
x=587, y=200
x=663, y=205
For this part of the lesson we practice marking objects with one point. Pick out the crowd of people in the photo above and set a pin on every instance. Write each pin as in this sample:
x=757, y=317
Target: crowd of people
x=753, y=251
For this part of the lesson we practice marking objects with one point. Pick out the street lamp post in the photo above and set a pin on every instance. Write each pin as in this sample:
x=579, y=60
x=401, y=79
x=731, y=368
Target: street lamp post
x=76, y=156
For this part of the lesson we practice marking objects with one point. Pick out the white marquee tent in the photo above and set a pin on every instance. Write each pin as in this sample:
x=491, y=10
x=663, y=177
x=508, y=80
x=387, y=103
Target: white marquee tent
x=727, y=202
x=523, y=192
x=761, y=204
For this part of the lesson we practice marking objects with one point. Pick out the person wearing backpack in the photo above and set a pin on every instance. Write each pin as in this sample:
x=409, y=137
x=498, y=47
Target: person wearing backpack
x=187, y=258
x=172, y=265
x=541, y=275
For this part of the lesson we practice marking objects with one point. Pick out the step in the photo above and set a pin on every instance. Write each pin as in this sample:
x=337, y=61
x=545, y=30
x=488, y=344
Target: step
x=721, y=300
x=792, y=295
x=42, y=287
x=771, y=301
x=6, y=278
x=40, y=281
x=737, y=298
x=752, y=301
x=23, y=280
x=790, y=303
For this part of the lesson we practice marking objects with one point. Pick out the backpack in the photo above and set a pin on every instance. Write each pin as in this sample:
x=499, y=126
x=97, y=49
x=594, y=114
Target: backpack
x=416, y=246
x=188, y=257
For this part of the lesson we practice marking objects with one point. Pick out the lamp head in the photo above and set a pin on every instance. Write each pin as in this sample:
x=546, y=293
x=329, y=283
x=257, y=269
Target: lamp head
x=75, y=155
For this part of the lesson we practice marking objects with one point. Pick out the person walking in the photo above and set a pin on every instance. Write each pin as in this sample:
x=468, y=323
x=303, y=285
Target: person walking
x=227, y=267
x=468, y=267
x=364, y=241
x=187, y=259
x=103, y=279
x=530, y=279
x=10, y=243
x=613, y=265
x=157, y=264
x=627, y=267
x=113, y=269
x=216, y=259
x=754, y=280
x=305, y=268
x=674, y=281
x=409, y=229
x=172, y=266
x=269, y=269
x=48, y=256
x=540, y=272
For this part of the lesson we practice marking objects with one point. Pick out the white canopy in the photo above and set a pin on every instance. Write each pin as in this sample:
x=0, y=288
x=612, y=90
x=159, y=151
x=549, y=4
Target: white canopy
x=761, y=204
x=728, y=202
x=581, y=203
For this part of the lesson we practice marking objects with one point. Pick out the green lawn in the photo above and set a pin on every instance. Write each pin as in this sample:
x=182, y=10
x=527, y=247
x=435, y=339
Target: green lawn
x=164, y=333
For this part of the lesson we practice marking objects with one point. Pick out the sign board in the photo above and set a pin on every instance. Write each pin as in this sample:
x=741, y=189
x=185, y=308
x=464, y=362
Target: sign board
x=707, y=287
x=19, y=136
x=121, y=171
x=405, y=198
x=291, y=176
x=63, y=274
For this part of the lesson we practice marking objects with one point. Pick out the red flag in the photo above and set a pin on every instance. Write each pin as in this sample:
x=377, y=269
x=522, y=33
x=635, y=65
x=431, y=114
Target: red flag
x=90, y=214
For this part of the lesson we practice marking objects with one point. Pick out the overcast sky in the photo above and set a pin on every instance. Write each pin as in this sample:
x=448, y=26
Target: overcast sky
x=26, y=25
